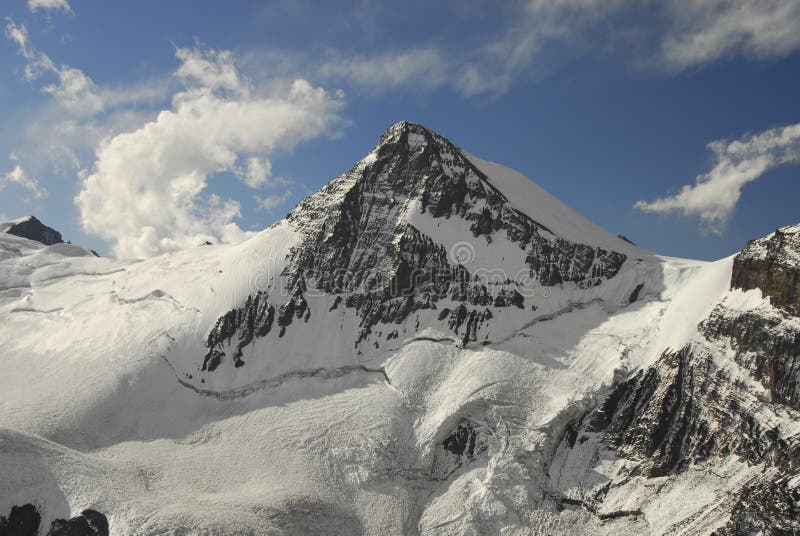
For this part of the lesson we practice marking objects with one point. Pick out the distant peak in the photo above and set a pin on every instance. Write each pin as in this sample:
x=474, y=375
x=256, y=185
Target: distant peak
x=31, y=228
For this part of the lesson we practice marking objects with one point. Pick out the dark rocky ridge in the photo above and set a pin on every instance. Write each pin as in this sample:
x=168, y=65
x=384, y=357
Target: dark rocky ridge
x=687, y=409
x=32, y=229
x=772, y=264
x=357, y=243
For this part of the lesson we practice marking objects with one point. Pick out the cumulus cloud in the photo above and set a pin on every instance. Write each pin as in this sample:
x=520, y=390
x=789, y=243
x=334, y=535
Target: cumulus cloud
x=19, y=177
x=145, y=193
x=705, y=30
x=715, y=194
x=47, y=5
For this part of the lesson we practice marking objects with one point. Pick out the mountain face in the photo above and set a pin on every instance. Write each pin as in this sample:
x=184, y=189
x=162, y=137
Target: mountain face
x=365, y=238
x=32, y=229
x=430, y=344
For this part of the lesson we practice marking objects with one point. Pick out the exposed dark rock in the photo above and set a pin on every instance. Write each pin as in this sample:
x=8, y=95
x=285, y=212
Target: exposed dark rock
x=88, y=523
x=25, y=520
x=32, y=229
x=681, y=411
x=765, y=342
x=463, y=441
x=22, y=521
x=767, y=507
x=635, y=293
x=252, y=320
x=463, y=444
x=626, y=239
x=772, y=264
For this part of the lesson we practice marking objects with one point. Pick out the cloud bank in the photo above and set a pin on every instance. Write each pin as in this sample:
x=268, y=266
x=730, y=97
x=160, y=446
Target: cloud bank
x=145, y=193
x=715, y=194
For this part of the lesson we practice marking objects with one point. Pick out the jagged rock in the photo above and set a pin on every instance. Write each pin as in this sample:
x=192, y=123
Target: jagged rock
x=772, y=264
x=88, y=523
x=635, y=294
x=32, y=229
x=463, y=444
x=768, y=507
x=252, y=320
x=682, y=411
x=765, y=342
x=25, y=520
x=22, y=521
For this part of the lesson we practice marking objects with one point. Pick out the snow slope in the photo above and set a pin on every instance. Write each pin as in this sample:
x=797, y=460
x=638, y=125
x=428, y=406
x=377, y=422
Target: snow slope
x=408, y=430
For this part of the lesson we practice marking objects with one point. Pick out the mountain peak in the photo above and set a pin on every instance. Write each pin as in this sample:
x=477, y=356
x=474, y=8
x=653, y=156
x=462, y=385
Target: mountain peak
x=31, y=228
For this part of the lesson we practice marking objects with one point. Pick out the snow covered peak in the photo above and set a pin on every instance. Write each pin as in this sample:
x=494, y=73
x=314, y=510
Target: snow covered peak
x=31, y=228
x=420, y=171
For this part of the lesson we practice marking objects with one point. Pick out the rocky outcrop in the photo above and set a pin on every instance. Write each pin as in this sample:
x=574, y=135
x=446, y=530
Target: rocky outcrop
x=462, y=445
x=772, y=264
x=25, y=520
x=766, y=342
x=682, y=411
x=243, y=324
x=770, y=506
x=32, y=229
x=21, y=521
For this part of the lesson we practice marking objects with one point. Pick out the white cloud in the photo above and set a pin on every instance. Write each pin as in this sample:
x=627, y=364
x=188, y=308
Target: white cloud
x=670, y=35
x=145, y=193
x=257, y=172
x=421, y=66
x=715, y=194
x=19, y=177
x=38, y=63
x=75, y=91
x=270, y=202
x=702, y=31
x=35, y=5
x=212, y=69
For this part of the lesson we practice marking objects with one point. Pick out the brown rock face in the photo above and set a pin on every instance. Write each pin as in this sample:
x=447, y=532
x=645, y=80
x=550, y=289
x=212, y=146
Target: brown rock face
x=772, y=264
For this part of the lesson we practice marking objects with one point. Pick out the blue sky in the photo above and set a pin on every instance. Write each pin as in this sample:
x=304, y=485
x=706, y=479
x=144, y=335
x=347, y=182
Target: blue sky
x=145, y=127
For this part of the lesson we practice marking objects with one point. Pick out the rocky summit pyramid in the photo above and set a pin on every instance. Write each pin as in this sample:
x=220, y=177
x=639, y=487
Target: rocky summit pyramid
x=430, y=344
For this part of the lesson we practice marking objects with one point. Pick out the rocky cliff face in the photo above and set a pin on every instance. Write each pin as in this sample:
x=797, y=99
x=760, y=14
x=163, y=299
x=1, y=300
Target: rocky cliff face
x=360, y=242
x=772, y=264
x=732, y=393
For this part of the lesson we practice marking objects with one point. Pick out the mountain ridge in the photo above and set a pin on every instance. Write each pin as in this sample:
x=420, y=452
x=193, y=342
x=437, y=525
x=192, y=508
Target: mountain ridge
x=408, y=352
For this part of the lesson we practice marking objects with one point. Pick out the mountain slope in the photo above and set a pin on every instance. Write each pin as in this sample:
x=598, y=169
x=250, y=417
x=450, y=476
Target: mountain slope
x=430, y=344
